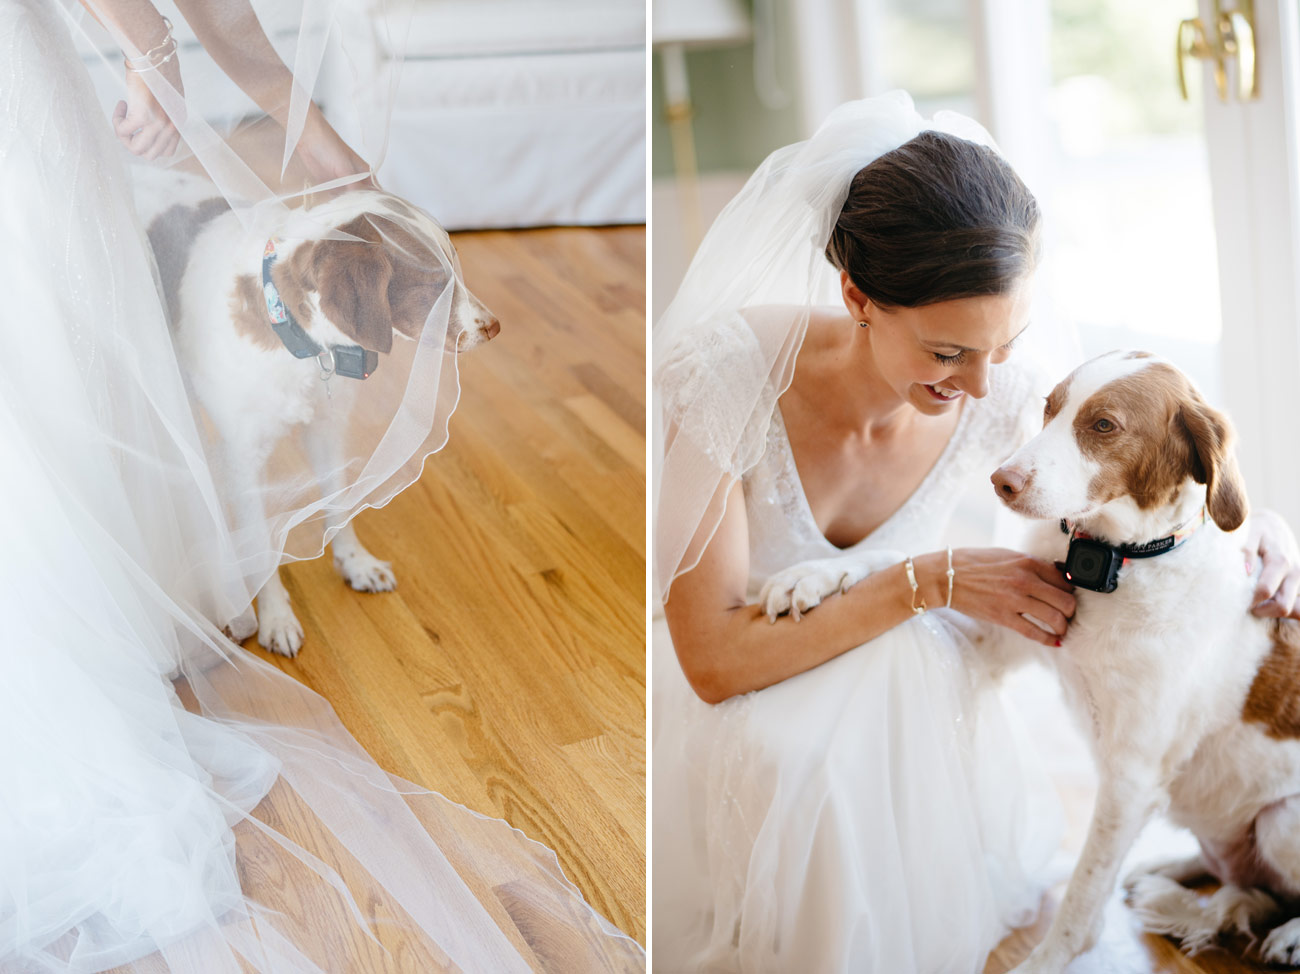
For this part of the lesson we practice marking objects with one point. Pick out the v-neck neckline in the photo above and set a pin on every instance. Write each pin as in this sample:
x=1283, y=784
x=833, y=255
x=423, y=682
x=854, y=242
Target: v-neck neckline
x=945, y=455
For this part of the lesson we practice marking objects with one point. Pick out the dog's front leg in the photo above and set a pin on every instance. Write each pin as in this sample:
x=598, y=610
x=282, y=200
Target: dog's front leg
x=277, y=628
x=1126, y=797
x=357, y=566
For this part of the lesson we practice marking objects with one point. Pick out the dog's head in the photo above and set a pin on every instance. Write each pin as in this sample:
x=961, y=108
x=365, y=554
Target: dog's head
x=1126, y=437
x=376, y=265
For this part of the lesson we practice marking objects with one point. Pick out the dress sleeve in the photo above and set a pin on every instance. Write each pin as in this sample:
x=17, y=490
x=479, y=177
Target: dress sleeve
x=716, y=396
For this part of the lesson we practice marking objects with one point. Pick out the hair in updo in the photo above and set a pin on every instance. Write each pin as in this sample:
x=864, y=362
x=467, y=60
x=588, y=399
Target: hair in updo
x=936, y=219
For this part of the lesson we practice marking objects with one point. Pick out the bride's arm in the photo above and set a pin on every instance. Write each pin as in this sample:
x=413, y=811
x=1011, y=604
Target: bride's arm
x=231, y=33
x=727, y=646
x=139, y=121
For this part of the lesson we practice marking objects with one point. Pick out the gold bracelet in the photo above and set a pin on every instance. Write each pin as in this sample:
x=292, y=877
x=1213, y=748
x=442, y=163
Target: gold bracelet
x=911, y=580
x=952, y=574
x=157, y=55
x=157, y=48
x=152, y=63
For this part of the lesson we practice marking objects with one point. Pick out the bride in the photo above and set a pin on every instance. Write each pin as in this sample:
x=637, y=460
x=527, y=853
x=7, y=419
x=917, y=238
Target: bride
x=167, y=801
x=839, y=788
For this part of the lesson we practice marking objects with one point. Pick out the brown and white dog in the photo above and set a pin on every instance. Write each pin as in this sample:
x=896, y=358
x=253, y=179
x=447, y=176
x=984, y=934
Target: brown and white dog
x=1189, y=702
x=367, y=270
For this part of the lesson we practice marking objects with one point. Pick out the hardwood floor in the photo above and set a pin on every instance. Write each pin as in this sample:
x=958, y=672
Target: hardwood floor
x=507, y=671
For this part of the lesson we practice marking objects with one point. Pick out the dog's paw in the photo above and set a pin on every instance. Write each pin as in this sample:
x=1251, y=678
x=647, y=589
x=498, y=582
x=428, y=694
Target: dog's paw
x=1282, y=946
x=280, y=631
x=241, y=627
x=801, y=587
x=364, y=572
x=1166, y=907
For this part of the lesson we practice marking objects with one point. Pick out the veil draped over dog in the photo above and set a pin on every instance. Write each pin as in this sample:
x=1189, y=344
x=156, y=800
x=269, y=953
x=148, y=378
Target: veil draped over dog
x=745, y=300
x=245, y=147
x=169, y=802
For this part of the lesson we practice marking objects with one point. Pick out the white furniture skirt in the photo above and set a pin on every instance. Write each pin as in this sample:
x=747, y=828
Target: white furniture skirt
x=521, y=140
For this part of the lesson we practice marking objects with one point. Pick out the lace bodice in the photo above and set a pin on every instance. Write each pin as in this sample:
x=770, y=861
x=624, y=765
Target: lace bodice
x=782, y=530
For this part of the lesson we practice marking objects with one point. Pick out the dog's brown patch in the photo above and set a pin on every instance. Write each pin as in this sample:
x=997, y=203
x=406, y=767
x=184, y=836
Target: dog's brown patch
x=1161, y=433
x=1274, y=698
x=249, y=315
x=293, y=279
x=1056, y=399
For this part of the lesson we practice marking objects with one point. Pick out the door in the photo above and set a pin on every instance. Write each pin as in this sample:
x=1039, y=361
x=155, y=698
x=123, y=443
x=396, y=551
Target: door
x=1255, y=172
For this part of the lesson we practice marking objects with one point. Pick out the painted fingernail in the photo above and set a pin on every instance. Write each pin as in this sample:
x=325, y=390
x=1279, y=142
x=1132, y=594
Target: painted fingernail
x=1058, y=644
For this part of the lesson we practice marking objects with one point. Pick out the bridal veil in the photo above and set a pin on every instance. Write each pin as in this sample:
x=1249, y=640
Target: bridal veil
x=169, y=802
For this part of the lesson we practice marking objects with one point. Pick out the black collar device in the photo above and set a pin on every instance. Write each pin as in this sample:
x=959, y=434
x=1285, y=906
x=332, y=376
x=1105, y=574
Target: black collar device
x=1095, y=565
x=349, y=361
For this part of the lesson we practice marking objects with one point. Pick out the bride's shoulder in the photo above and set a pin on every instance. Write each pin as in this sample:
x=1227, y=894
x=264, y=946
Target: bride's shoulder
x=738, y=346
x=1014, y=406
x=715, y=382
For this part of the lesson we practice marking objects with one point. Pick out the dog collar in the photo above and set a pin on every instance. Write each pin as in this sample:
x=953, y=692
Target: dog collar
x=1095, y=565
x=350, y=361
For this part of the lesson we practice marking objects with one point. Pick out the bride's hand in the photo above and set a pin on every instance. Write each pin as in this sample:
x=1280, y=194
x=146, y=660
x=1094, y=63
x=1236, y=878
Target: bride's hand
x=140, y=122
x=1003, y=587
x=1269, y=538
x=327, y=157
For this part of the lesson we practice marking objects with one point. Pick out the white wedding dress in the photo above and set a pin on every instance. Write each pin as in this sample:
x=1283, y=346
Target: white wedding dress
x=878, y=814
x=133, y=829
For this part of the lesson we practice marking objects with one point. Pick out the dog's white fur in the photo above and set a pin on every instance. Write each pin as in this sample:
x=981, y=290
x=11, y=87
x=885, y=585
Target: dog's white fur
x=1158, y=673
x=254, y=394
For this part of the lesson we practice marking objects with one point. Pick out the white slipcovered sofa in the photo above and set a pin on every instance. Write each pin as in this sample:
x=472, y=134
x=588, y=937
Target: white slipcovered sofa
x=512, y=113
x=506, y=113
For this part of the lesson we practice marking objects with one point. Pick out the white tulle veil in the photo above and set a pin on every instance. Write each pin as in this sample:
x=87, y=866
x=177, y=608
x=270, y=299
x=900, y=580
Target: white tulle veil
x=243, y=149
x=140, y=744
x=763, y=264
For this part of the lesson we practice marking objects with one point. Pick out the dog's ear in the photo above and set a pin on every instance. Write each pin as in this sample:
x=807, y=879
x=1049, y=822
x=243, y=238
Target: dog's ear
x=420, y=276
x=352, y=279
x=1213, y=463
x=412, y=293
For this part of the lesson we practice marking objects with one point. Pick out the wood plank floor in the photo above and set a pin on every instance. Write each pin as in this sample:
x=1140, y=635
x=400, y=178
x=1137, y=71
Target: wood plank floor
x=507, y=671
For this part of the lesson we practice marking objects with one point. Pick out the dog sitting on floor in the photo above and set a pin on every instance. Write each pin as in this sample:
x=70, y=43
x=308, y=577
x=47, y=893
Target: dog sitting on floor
x=1189, y=702
x=258, y=323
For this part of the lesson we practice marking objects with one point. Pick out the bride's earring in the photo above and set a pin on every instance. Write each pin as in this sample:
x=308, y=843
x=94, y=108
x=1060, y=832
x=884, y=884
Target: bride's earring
x=863, y=324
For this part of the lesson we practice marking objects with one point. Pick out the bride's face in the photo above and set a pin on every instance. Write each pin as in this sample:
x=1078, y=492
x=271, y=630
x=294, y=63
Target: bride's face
x=934, y=356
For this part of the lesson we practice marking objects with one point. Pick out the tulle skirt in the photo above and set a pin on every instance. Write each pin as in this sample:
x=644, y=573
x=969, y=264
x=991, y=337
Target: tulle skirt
x=879, y=813
x=168, y=802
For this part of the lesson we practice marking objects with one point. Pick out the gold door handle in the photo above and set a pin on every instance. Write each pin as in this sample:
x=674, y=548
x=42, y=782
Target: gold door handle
x=1232, y=35
x=1238, y=33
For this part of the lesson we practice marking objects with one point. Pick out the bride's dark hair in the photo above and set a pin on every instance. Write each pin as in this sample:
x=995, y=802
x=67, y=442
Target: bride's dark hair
x=936, y=219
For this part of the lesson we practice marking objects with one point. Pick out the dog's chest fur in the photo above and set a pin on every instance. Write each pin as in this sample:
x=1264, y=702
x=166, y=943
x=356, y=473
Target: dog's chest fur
x=1172, y=660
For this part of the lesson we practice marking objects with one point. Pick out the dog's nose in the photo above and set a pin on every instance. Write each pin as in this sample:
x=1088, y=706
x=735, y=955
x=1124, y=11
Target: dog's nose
x=491, y=328
x=1008, y=482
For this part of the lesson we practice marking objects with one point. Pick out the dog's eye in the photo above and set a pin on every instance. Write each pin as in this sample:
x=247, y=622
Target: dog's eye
x=1103, y=426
